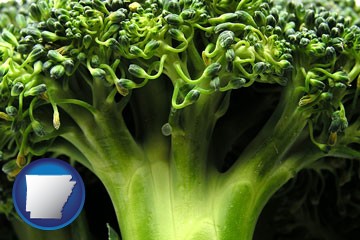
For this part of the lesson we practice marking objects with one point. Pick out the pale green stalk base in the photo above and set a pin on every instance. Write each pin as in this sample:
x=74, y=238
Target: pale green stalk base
x=151, y=208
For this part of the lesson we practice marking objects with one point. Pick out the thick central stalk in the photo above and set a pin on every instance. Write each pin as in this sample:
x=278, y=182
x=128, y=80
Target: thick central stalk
x=150, y=208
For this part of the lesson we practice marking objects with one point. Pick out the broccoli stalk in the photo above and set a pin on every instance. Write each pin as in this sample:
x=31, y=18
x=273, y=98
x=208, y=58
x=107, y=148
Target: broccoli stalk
x=136, y=92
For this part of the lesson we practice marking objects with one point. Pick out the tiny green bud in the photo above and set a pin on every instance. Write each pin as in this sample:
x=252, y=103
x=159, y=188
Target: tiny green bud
x=226, y=39
x=340, y=26
x=237, y=83
x=338, y=122
x=49, y=36
x=55, y=56
x=34, y=32
x=136, y=50
x=112, y=30
x=60, y=11
x=11, y=111
x=44, y=8
x=228, y=26
x=317, y=49
x=36, y=53
x=212, y=70
x=35, y=12
x=188, y=14
x=126, y=83
x=173, y=19
x=172, y=6
x=326, y=96
x=10, y=167
x=270, y=20
x=24, y=48
x=38, y=128
x=117, y=16
x=151, y=46
x=87, y=40
x=20, y=160
x=177, y=34
x=340, y=85
x=286, y=56
x=317, y=84
x=98, y=74
x=9, y=37
x=277, y=30
x=330, y=53
x=57, y=71
x=100, y=5
x=91, y=13
x=69, y=66
x=137, y=71
x=134, y=6
x=35, y=91
x=285, y=64
x=81, y=57
x=259, y=18
x=215, y=83
x=260, y=67
x=20, y=21
x=38, y=67
x=259, y=48
x=69, y=33
x=123, y=38
x=230, y=55
x=50, y=23
x=63, y=19
x=27, y=40
x=331, y=21
x=59, y=27
x=5, y=117
x=17, y=89
x=113, y=44
x=319, y=20
x=192, y=96
x=47, y=65
x=245, y=17
x=56, y=120
x=341, y=76
x=304, y=42
x=309, y=17
x=95, y=61
x=323, y=29
x=307, y=99
x=335, y=32
x=122, y=86
x=223, y=18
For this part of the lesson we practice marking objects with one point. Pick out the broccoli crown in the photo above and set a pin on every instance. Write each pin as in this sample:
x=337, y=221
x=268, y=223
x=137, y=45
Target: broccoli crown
x=90, y=52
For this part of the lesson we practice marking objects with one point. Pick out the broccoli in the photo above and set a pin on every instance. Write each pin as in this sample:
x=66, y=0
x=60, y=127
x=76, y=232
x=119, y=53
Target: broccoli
x=191, y=113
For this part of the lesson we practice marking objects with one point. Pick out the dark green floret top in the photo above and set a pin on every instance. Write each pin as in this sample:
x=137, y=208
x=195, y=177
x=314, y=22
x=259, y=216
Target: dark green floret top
x=60, y=52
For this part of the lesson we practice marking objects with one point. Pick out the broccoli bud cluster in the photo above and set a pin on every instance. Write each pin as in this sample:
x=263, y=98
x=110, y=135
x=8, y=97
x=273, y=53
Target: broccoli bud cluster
x=203, y=47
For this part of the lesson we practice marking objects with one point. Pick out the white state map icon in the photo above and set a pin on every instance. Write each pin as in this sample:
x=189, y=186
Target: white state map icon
x=46, y=195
